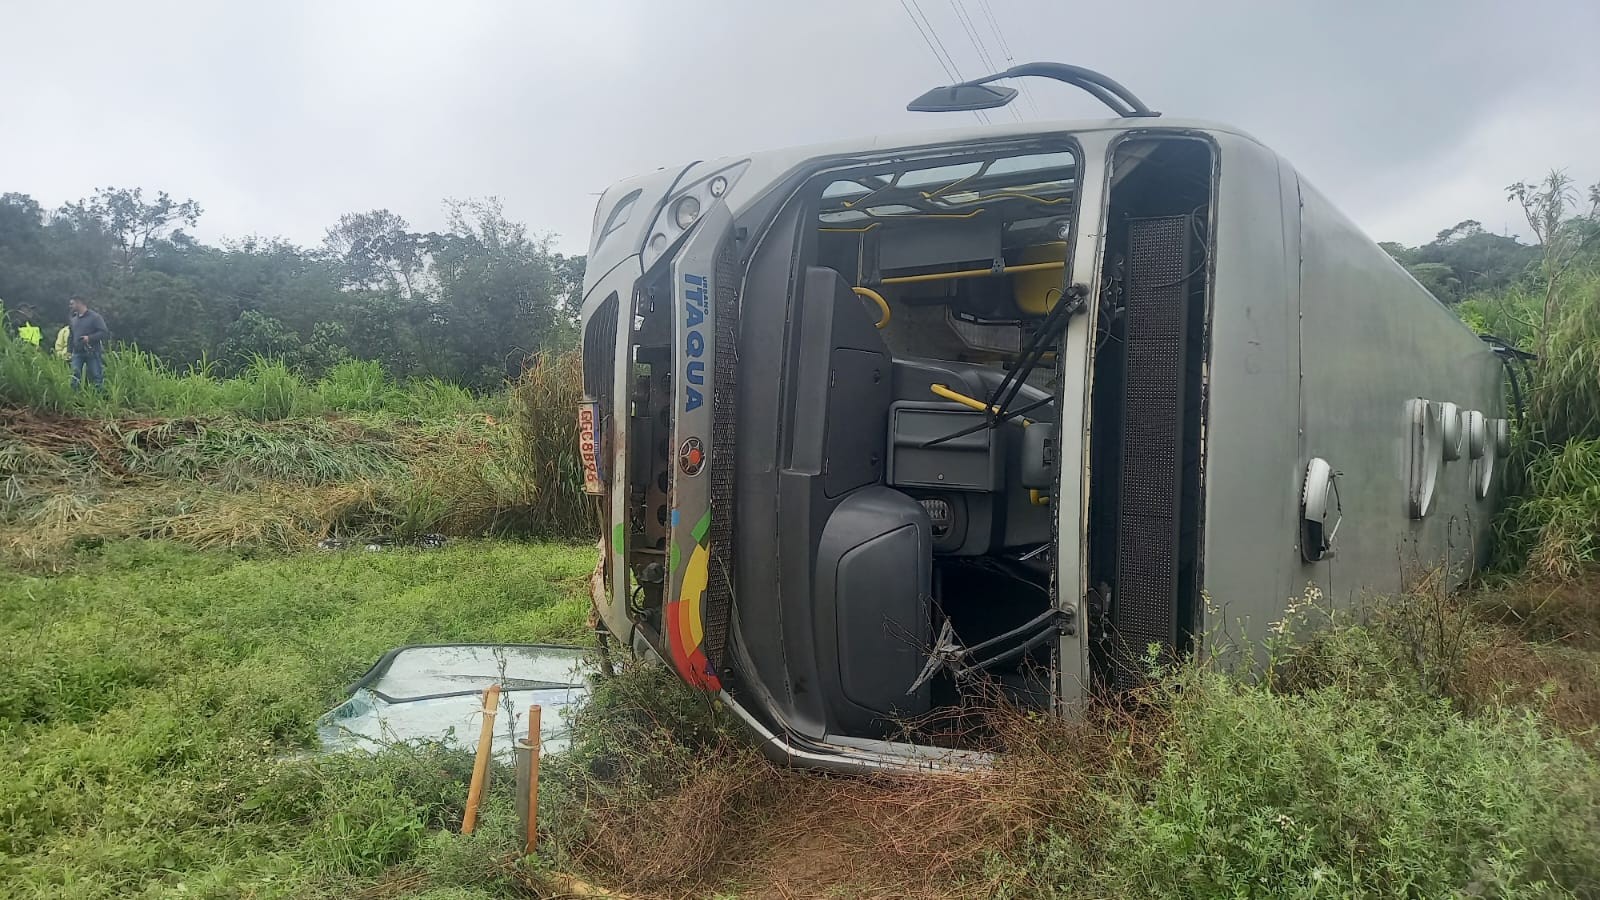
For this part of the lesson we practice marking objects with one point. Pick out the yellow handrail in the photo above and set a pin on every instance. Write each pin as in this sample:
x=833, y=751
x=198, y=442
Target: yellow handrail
x=972, y=273
x=1035, y=496
x=877, y=298
x=973, y=403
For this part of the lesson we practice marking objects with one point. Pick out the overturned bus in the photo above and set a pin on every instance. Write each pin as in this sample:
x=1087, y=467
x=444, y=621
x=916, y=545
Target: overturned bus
x=1022, y=407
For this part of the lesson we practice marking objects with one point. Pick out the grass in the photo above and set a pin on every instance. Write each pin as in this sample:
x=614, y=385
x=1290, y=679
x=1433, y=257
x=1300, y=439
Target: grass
x=1551, y=520
x=157, y=694
x=154, y=707
x=1420, y=750
x=449, y=463
x=138, y=383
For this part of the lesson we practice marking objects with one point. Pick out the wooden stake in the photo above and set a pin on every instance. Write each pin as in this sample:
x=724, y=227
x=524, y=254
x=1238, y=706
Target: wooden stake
x=533, y=778
x=480, y=763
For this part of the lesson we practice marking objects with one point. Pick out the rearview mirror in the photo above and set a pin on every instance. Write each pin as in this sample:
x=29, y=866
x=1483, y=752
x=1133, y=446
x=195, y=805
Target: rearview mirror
x=962, y=98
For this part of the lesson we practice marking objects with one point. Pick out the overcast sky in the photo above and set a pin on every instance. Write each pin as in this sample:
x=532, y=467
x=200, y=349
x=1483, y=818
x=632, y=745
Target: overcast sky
x=279, y=116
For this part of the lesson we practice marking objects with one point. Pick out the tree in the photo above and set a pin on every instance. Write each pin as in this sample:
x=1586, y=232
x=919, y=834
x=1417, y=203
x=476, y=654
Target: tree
x=502, y=296
x=471, y=305
x=133, y=225
x=1463, y=260
x=1561, y=238
x=253, y=335
x=377, y=250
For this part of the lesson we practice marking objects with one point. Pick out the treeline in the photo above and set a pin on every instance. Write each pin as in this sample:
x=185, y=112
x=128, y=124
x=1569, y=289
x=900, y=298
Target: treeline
x=473, y=304
x=1464, y=260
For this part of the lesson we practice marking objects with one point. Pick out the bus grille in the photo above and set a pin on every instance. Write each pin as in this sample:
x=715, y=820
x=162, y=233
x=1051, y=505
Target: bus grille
x=719, y=590
x=1146, y=592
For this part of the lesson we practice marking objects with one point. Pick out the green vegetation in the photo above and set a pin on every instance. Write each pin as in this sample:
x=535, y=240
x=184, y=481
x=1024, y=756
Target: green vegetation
x=1428, y=747
x=155, y=705
x=475, y=304
x=168, y=635
x=237, y=462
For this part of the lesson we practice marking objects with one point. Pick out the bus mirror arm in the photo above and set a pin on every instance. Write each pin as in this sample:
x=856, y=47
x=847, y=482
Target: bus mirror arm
x=975, y=94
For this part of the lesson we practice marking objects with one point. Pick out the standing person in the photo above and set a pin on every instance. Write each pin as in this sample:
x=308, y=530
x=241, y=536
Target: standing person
x=64, y=343
x=88, y=341
x=30, y=332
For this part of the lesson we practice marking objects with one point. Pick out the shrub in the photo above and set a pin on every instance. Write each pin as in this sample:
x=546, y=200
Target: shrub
x=357, y=385
x=1554, y=528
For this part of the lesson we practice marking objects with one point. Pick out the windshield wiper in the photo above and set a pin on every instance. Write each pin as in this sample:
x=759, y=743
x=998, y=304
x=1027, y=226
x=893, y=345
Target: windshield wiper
x=1049, y=333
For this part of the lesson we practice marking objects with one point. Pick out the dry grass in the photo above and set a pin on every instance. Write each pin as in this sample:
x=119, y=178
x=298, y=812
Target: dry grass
x=1540, y=649
x=544, y=409
x=68, y=483
x=690, y=816
x=1565, y=611
x=1561, y=682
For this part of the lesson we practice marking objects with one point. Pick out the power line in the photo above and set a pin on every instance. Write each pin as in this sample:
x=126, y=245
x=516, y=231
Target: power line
x=935, y=32
x=959, y=7
x=946, y=62
x=942, y=64
x=1005, y=48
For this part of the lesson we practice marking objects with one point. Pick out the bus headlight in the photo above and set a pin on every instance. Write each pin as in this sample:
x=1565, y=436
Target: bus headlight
x=685, y=211
x=684, y=208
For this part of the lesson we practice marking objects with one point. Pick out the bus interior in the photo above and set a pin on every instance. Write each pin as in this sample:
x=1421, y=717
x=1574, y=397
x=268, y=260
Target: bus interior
x=893, y=532
x=929, y=301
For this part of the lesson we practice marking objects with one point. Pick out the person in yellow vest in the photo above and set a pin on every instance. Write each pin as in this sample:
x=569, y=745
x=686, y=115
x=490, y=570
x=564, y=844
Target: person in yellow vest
x=22, y=318
x=64, y=343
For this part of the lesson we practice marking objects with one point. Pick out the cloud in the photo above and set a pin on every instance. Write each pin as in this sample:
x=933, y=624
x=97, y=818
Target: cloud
x=280, y=117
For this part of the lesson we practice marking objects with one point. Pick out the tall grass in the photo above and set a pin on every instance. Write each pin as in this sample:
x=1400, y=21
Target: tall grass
x=1554, y=527
x=358, y=385
x=29, y=378
x=1566, y=401
x=1551, y=524
x=267, y=390
x=544, y=407
x=274, y=474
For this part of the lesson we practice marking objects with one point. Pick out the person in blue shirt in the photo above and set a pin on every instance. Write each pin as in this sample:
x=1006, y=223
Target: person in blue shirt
x=87, y=341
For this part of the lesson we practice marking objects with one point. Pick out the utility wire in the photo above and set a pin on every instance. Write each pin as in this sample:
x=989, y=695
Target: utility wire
x=959, y=7
x=1005, y=48
x=926, y=40
x=931, y=30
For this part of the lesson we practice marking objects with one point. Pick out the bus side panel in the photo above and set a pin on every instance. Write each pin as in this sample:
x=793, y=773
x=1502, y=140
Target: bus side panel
x=1251, y=443
x=1374, y=339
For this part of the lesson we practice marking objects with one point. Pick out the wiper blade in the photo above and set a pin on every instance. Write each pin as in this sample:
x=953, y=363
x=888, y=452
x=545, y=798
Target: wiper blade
x=993, y=421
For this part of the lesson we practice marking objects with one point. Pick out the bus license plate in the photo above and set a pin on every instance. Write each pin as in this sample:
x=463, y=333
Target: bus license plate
x=589, y=447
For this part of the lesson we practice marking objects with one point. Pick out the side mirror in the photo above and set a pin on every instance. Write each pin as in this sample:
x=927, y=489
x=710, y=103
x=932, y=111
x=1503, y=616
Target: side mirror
x=1039, y=456
x=1320, y=511
x=962, y=98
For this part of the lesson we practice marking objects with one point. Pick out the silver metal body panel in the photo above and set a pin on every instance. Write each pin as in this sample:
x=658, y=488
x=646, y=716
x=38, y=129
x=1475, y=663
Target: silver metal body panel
x=1372, y=340
x=1252, y=459
x=1317, y=340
